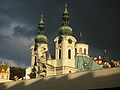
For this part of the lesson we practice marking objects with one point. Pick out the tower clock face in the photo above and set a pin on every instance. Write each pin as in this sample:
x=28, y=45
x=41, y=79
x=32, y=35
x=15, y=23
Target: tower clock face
x=69, y=41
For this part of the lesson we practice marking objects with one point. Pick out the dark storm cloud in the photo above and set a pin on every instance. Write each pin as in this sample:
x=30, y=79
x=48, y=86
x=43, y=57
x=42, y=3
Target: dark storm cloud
x=23, y=32
x=15, y=48
x=98, y=20
x=3, y=38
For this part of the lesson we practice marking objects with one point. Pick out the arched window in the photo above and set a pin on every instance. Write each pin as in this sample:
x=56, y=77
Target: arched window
x=84, y=51
x=75, y=51
x=69, y=54
x=2, y=77
x=35, y=63
x=69, y=41
x=59, y=53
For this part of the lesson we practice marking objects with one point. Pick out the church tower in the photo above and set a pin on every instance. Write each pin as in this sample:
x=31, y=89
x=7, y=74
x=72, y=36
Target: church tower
x=65, y=45
x=81, y=49
x=40, y=49
x=70, y=56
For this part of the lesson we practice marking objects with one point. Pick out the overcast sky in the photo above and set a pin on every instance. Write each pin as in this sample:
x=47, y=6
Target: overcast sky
x=98, y=20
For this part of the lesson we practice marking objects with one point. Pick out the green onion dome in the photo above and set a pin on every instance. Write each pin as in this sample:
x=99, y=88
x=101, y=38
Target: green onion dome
x=40, y=39
x=65, y=30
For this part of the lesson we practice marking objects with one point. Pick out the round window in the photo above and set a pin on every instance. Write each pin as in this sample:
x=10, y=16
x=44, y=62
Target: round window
x=69, y=41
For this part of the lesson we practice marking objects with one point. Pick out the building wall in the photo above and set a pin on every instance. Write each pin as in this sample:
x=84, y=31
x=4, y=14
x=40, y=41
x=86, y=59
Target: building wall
x=69, y=70
x=64, y=46
x=80, y=49
x=32, y=55
x=5, y=74
x=39, y=53
x=64, y=61
x=27, y=72
x=59, y=68
x=50, y=71
x=69, y=62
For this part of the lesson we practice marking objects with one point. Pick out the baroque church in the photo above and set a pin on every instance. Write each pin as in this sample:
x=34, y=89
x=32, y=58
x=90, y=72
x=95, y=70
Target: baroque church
x=70, y=55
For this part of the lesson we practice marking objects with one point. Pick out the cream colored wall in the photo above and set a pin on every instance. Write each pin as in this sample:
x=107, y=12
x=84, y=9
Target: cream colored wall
x=32, y=55
x=69, y=62
x=38, y=53
x=69, y=70
x=56, y=47
x=41, y=52
x=70, y=46
x=50, y=71
x=6, y=74
x=52, y=62
x=83, y=46
x=64, y=46
x=27, y=72
x=59, y=68
x=64, y=61
x=56, y=64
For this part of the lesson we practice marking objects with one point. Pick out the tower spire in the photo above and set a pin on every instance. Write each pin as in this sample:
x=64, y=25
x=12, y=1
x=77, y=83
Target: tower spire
x=105, y=56
x=65, y=16
x=65, y=29
x=81, y=38
x=105, y=51
x=41, y=38
x=66, y=6
x=41, y=26
x=41, y=19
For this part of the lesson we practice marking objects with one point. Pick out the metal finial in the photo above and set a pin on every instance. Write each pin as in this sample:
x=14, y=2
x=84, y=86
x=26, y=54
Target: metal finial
x=66, y=11
x=65, y=16
x=80, y=34
x=41, y=19
x=81, y=37
x=105, y=51
x=41, y=26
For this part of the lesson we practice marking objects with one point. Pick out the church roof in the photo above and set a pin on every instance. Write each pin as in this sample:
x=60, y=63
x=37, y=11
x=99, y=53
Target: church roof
x=65, y=28
x=41, y=39
x=83, y=63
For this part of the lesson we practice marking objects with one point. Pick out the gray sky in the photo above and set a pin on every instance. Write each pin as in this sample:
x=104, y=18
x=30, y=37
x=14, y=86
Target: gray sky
x=98, y=20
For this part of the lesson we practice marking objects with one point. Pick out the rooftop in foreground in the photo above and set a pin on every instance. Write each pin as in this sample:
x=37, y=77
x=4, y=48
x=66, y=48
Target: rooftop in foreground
x=105, y=78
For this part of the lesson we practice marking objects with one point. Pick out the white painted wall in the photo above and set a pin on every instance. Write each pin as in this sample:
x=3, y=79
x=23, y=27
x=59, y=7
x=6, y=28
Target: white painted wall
x=82, y=46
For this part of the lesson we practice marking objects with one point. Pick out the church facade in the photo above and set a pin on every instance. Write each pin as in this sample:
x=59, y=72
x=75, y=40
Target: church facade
x=70, y=55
